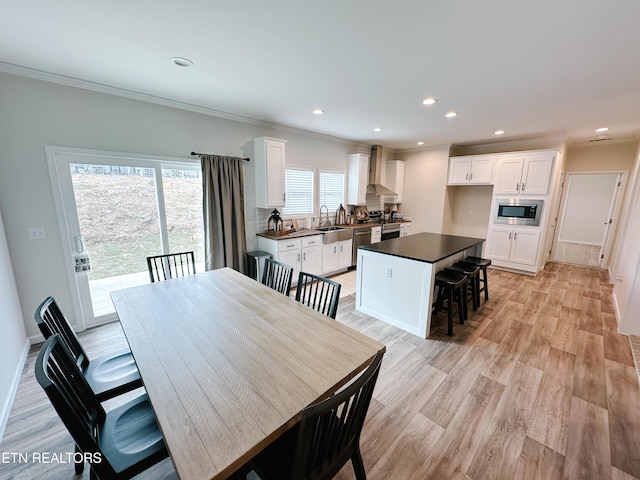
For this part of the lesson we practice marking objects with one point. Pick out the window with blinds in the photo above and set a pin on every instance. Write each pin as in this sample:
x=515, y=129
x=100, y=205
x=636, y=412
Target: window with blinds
x=332, y=190
x=299, y=191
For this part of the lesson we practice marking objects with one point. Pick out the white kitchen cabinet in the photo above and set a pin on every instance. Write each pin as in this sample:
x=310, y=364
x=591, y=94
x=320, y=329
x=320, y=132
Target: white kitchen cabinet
x=345, y=253
x=395, y=180
x=357, y=179
x=311, y=255
x=269, y=158
x=405, y=229
x=336, y=256
x=514, y=247
x=524, y=174
x=287, y=251
x=471, y=170
x=376, y=234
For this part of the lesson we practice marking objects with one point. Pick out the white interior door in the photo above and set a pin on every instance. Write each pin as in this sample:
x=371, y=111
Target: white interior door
x=116, y=210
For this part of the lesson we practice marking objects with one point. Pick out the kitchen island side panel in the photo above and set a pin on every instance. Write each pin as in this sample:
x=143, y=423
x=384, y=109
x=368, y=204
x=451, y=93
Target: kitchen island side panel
x=395, y=290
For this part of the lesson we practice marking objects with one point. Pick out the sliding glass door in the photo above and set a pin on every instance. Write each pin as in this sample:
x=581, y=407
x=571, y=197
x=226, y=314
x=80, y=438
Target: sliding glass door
x=117, y=210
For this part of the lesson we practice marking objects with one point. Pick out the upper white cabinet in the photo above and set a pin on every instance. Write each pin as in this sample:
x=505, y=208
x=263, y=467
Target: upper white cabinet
x=524, y=174
x=269, y=167
x=395, y=180
x=471, y=170
x=357, y=179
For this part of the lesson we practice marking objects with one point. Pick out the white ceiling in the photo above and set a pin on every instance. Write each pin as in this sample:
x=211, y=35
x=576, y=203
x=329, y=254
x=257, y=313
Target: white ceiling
x=551, y=68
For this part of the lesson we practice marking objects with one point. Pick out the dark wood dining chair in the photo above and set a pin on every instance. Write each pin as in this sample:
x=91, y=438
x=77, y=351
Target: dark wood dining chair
x=326, y=438
x=118, y=444
x=172, y=265
x=277, y=275
x=109, y=375
x=319, y=293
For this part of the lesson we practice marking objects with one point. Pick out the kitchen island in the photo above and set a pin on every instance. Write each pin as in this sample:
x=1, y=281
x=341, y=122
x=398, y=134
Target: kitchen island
x=395, y=278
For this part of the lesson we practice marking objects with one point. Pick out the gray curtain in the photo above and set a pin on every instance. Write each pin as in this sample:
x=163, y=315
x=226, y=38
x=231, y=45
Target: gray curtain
x=223, y=206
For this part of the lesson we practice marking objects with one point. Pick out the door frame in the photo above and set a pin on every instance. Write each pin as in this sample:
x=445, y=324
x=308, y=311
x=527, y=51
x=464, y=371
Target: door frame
x=58, y=160
x=617, y=198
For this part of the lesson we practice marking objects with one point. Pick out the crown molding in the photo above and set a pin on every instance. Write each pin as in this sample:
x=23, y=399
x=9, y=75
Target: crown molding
x=143, y=97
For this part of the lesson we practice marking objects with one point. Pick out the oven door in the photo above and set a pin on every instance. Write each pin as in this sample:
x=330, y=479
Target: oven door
x=390, y=230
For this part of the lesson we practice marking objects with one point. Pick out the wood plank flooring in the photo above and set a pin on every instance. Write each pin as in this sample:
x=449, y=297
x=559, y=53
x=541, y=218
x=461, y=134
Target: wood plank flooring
x=537, y=384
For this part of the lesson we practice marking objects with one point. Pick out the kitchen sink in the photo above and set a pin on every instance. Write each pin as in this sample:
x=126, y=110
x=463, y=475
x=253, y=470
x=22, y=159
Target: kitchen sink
x=335, y=234
x=330, y=229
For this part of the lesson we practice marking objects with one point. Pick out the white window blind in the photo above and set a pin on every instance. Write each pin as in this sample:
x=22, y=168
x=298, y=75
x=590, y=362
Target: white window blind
x=332, y=190
x=299, y=191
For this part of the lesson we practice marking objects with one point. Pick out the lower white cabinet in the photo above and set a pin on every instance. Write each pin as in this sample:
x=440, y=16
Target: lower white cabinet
x=336, y=256
x=376, y=234
x=286, y=251
x=514, y=247
x=405, y=229
x=311, y=255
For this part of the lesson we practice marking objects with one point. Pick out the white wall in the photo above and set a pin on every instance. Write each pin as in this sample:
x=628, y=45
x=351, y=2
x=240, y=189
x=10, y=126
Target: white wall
x=36, y=113
x=626, y=264
x=425, y=189
x=13, y=339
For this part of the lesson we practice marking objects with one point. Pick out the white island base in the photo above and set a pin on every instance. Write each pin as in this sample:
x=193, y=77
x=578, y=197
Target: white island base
x=399, y=290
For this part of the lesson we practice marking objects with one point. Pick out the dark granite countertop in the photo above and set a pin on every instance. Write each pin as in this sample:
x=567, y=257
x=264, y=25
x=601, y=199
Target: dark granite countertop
x=424, y=247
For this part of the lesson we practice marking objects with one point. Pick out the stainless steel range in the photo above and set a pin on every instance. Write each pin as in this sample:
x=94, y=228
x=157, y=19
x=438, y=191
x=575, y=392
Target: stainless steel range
x=390, y=230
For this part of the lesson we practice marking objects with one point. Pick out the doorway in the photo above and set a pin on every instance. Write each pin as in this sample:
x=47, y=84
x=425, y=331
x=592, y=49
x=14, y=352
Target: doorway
x=114, y=210
x=589, y=214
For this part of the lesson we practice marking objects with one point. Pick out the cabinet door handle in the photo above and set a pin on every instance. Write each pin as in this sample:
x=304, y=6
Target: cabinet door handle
x=304, y=256
x=335, y=250
x=298, y=257
x=471, y=176
x=466, y=177
x=518, y=187
x=515, y=235
x=522, y=189
x=509, y=235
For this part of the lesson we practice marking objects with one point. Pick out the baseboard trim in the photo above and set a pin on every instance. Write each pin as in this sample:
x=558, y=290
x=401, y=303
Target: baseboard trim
x=6, y=408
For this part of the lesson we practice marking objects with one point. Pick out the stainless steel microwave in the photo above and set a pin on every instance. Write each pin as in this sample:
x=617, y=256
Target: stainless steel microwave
x=515, y=211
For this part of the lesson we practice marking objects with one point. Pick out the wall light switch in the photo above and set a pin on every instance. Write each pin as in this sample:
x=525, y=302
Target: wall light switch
x=36, y=233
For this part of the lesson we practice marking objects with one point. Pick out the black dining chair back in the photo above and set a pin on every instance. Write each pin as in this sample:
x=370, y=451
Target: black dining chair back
x=327, y=436
x=319, y=293
x=172, y=265
x=118, y=444
x=109, y=375
x=277, y=275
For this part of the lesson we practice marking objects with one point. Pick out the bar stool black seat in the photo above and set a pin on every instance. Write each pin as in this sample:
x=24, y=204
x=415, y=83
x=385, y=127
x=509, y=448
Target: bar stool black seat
x=473, y=272
x=483, y=263
x=451, y=287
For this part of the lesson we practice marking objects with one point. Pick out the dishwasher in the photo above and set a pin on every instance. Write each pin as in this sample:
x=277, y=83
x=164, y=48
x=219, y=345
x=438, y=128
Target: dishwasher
x=361, y=236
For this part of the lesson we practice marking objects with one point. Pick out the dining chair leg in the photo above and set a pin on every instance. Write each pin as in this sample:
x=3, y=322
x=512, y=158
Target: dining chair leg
x=358, y=465
x=450, y=312
x=79, y=467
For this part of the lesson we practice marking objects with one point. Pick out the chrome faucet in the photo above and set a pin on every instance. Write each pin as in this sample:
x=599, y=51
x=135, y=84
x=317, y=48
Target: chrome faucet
x=327, y=222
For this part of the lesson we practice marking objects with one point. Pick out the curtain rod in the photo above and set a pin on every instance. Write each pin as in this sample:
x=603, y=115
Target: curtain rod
x=198, y=154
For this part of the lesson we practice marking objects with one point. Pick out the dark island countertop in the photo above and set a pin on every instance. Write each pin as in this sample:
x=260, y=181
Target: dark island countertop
x=424, y=247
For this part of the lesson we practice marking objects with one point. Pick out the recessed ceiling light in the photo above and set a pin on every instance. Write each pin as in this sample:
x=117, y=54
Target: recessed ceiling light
x=499, y=132
x=451, y=114
x=420, y=143
x=429, y=101
x=182, y=62
x=602, y=129
x=377, y=129
x=318, y=111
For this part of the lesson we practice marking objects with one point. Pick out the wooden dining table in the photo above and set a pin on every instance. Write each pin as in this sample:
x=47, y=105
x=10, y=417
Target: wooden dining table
x=229, y=364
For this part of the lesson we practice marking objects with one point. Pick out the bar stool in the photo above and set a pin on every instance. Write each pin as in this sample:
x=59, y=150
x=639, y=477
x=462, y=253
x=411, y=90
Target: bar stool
x=472, y=271
x=483, y=263
x=451, y=288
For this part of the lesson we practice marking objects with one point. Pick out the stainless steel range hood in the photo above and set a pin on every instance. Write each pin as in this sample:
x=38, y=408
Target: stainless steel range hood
x=375, y=173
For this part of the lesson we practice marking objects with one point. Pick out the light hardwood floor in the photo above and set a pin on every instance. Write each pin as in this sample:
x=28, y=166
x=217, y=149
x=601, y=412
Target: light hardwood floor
x=536, y=385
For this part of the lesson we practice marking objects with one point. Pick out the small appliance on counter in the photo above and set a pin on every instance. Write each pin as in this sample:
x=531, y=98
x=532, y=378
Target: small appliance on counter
x=341, y=216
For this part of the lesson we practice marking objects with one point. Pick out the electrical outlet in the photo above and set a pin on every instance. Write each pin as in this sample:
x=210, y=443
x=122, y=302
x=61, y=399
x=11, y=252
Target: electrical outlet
x=36, y=233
